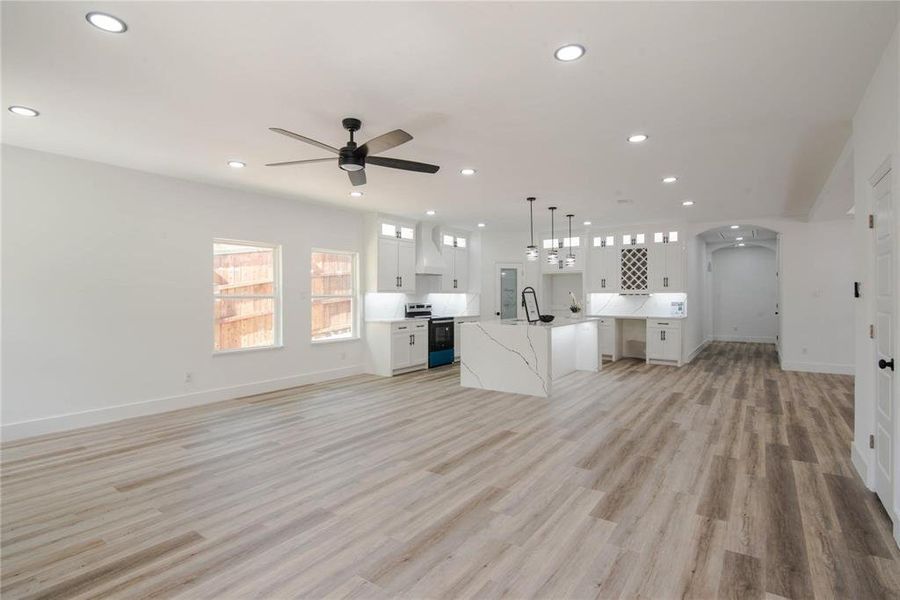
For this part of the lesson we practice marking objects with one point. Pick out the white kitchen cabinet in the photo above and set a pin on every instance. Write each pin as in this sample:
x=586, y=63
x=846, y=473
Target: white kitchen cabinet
x=665, y=267
x=409, y=345
x=664, y=341
x=396, y=265
x=418, y=350
x=456, y=270
x=604, y=270
x=401, y=353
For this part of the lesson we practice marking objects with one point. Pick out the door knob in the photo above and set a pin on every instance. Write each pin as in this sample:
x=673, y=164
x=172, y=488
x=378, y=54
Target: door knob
x=884, y=364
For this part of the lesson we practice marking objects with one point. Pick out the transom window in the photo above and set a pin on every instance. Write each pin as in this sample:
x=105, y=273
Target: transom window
x=602, y=242
x=246, y=295
x=333, y=295
x=632, y=239
x=454, y=240
x=662, y=238
x=398, y=231
x=572, y=242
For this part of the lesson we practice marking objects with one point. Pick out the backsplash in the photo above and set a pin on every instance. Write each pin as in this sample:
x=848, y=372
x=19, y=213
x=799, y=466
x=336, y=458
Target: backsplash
x=650, y=305
x=391, y=306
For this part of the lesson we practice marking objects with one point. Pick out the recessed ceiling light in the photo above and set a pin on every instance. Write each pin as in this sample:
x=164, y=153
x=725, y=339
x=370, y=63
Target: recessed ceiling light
x=236, y=164
x=23, y=111
x=739, y=238
x=735, y=226
x=106, y=22
x=742, y=245
x=687, y=203
x=669, y=179
x=467, y=171
x=356, y=194
x=587, y=222
x=637, y=138
x=481, y=224
x=569, y=52
x=430, y=213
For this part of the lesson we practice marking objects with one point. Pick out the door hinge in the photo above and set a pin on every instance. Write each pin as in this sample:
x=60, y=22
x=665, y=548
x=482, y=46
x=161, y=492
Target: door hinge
x=871, y=221
x=872, y=332
x=871, y=441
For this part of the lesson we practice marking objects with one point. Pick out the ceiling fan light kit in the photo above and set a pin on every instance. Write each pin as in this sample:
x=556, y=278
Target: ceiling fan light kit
x=353, y=158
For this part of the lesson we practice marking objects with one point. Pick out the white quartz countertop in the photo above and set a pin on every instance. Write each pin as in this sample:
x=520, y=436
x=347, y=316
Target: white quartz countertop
x=628, y=316
x=402, y=319
x=557, y=322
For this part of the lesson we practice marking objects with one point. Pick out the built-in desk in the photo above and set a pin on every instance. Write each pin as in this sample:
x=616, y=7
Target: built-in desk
x=654, y=339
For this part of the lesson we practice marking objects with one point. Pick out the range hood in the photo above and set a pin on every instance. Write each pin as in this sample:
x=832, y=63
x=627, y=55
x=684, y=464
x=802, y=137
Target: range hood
x=429, y=260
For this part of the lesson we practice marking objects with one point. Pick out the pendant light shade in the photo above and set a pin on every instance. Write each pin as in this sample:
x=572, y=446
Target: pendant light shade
x=570, y=257
x=553, y=252
x=531, y=251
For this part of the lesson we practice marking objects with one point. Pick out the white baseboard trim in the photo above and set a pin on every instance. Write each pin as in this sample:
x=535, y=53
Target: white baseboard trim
x=817, y=368
x=861, y=464
x=56, y=424
x=744, y=338
x=697, y=351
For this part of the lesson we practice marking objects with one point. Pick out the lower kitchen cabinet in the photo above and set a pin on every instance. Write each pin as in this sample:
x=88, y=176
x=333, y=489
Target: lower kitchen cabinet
x=396, y=346
x=457, y=338
x=664, y=341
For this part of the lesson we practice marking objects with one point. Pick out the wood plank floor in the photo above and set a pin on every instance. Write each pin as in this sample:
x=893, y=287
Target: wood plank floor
x=724, y=478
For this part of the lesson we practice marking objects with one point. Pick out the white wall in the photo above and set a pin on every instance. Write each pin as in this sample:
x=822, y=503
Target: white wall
x=501, y=247
x=876, y=137
x=744, y=294
x=107, y=292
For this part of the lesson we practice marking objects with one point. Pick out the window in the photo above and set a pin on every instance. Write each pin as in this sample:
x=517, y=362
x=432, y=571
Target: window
x=640, y=238
x=626, y=239
x=660, y=237
x=551, y=244
x=572, y=242
x=333, y=285
x=456, y=241
x=629, y=240
x=601, y=241
x=398, y=231
x=246, y=295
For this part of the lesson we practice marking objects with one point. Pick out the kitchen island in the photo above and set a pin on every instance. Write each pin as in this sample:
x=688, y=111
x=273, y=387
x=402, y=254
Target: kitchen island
x=526, y=358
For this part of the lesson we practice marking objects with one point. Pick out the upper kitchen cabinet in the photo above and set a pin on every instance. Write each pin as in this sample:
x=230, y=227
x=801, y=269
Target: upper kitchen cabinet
x=564, y=246
x=455, y=250
x=392, y=255
x=665, y=271
x=604, y=266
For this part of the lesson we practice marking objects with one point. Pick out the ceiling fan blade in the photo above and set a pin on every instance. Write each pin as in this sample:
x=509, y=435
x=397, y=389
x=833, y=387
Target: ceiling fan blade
x=300, y=162
x=357, y=177
x=389, y=140
x=297, y=136
x=406, y=165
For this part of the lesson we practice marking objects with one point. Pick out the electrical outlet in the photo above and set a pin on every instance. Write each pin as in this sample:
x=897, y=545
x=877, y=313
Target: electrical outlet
x=188, y=377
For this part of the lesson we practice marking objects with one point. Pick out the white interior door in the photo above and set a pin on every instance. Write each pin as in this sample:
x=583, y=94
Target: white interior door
x=885, y=407
x=509, y=281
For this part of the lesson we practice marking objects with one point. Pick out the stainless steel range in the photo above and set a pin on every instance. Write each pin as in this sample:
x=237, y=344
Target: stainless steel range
x=440, y=334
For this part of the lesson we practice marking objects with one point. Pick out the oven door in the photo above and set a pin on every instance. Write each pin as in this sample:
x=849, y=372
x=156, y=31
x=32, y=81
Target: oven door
x=440, y=335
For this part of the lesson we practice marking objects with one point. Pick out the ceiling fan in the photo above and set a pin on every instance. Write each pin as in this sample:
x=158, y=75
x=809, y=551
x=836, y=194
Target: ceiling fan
x=353, y=158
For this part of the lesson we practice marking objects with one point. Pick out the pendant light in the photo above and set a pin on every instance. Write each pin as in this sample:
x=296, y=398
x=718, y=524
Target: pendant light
x=552, y=253
x=531, y=251
x=570, y=257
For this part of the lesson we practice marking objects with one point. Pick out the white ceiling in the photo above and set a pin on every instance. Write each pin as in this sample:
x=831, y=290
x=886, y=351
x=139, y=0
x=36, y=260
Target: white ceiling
x=749, y=104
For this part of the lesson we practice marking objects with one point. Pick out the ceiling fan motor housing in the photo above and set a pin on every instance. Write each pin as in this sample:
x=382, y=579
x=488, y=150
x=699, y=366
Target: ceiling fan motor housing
x=349, y=159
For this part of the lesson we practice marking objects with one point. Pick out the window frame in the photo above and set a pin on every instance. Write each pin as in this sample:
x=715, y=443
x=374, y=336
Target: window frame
x=354, y=298
x=277, y=304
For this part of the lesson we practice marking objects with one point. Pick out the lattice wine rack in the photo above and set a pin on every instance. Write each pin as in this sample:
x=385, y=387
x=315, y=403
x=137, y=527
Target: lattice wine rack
x=634, y=269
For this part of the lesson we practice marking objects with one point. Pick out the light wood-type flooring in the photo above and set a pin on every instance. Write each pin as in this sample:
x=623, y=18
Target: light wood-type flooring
x=726, y=478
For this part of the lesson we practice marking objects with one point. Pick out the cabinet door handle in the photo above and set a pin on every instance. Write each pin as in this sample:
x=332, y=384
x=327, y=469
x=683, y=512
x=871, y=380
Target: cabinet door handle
x=603, y=283
x=412, y=339
x=665, y=282
x=401, y=281
x=662, y=335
